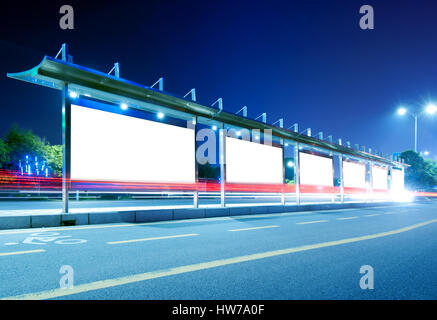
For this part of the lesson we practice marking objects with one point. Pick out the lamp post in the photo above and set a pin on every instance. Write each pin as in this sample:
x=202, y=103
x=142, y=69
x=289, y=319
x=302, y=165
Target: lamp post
x=429, y=109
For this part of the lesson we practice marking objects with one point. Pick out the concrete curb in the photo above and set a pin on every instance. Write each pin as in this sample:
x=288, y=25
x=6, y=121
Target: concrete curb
x=56, y=220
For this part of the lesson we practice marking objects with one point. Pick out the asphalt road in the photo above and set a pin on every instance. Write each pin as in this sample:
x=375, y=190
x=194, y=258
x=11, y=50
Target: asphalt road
x=311, y=255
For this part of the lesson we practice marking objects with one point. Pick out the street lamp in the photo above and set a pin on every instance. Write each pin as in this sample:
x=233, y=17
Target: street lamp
x=429, y=109
x=402, y=111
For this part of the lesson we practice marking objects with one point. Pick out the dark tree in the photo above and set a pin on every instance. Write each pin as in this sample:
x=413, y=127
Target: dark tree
x=422, y=173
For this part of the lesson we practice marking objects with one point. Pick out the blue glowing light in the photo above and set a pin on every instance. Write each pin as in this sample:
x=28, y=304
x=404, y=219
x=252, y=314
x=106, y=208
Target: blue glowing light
x=73, y=94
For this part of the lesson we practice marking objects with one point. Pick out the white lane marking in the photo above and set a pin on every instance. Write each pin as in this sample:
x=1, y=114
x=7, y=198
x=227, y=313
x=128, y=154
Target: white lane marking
x=348, y=218
x=10, y=243
x=109, y=283
x=254, y=228
x=20, y=252
x=155, y=238
x=310, y=222
x=372, y=215
x=42, y=238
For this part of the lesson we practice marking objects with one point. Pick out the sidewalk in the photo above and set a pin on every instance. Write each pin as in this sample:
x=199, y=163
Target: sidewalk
x=38, y=218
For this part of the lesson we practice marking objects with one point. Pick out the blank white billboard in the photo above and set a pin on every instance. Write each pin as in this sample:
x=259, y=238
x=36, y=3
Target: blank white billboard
x=379, y=178
x=354, y=174
x=251, y=162
x=114, y=147
x=397, y=180
x=315, y=170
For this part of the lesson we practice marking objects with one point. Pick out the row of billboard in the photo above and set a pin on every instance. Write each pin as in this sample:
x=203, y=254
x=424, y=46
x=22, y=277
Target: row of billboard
x=115, y=147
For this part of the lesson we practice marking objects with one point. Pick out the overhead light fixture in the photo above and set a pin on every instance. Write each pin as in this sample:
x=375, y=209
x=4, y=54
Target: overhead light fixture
x=402, y=111
x=160, y=115
x=123, y=106
x=431, y=108
x=73, y=94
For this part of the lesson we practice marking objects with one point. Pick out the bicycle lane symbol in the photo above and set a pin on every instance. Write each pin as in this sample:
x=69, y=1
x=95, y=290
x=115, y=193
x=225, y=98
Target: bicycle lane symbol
x=42, y=238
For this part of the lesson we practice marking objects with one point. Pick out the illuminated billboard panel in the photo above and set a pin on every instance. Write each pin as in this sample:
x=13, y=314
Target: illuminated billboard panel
x=397, y=180
x=251, y=162
x=379, y=178
x=315, y=170
x=114, y=147
x=354, y=174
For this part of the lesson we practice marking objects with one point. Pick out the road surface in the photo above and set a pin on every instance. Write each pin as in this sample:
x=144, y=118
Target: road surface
x=310, y=255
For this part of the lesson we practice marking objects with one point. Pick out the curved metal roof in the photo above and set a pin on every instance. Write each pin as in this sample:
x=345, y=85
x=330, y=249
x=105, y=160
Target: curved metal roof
x=54, y=73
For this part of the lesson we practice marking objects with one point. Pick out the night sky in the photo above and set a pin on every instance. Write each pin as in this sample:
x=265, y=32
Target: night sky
x=307, y=61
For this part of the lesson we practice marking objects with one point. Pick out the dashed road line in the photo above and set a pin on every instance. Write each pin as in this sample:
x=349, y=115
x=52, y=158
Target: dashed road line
x=2, y=254
x=310, y=222
x=154, y=238
x=254, y=228
x=348, y=218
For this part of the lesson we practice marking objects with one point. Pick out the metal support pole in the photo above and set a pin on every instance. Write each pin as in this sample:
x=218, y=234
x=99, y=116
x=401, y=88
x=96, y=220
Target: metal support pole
x=263, y=117
x=340, y=157
x=117, y=69
x=309, y=132
x=389, y=173
x=415, y=133
x=244, y=109
x=403, y=178
x=193, y=94
x=222, y=159
x=295, y=127
x=280, y=121
x=281, y=125
x=370, y=189
x=64, y=51
x=283, y=177
x=333, y=182
x=160, y=83
x=196, y=167
x=66, y=147
x=297, y=172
